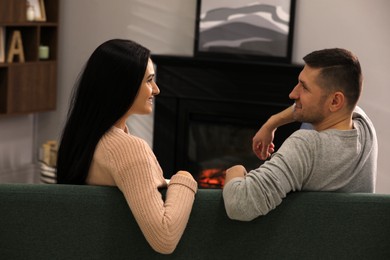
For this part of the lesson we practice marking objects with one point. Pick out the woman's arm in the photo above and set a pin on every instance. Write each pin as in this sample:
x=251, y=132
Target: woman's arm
x=138, y=175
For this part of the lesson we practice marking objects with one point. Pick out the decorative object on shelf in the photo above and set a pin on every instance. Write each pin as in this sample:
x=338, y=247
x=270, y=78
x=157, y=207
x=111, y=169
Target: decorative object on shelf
x=245, y=30
x=39, y=9
x=2, y=44
x=48, y=161
x=48, y=153
x=30, y=86
x=48, y=174
x=30, y=14
x=43, y=52
x=15, y=47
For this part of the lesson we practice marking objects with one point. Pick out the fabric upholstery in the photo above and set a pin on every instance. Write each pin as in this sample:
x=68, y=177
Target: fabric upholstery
x=50, y=221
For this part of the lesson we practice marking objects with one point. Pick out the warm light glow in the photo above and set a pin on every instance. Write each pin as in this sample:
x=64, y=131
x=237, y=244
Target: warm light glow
x=212, y=178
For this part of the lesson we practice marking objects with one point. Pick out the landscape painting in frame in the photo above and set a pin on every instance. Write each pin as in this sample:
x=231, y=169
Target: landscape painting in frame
x=245, y=29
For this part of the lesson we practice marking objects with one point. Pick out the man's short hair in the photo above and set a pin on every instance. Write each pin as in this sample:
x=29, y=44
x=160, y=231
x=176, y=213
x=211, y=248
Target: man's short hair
x=340, y=71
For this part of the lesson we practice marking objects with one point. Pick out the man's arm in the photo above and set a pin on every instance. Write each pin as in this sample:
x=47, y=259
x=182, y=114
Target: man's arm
x=250, y=195
x=262, y=142
x=235, y=171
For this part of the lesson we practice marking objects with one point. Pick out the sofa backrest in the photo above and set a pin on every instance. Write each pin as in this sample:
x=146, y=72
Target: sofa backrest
x=50, y=221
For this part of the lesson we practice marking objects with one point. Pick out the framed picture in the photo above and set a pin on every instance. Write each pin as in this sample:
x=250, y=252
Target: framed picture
x=2, y=44
x=259, y=30
x=39, y=9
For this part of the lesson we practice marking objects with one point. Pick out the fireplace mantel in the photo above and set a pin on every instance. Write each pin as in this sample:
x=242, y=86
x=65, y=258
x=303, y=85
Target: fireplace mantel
x=220, y=92
x=232, y=80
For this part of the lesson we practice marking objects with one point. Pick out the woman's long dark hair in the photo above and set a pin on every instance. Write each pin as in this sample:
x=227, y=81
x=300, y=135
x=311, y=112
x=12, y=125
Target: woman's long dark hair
x=104, y=93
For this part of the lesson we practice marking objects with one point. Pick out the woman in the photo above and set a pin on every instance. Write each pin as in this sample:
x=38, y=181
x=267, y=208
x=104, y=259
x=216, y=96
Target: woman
x=97, y=148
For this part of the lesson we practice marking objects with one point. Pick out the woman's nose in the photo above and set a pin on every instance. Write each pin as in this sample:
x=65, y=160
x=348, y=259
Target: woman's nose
x=156, y=90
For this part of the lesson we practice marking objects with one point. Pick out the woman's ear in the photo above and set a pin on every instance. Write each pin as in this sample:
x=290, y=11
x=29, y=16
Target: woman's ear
x=338, y=101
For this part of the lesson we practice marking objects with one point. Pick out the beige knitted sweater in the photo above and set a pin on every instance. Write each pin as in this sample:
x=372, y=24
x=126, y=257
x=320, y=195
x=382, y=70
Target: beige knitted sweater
x=126, y=161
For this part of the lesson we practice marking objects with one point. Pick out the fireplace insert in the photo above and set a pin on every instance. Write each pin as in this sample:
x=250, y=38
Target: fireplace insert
x=208, y=112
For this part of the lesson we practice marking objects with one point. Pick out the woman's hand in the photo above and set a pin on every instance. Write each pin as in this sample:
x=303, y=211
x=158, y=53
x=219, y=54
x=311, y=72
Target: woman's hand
x=185, y=173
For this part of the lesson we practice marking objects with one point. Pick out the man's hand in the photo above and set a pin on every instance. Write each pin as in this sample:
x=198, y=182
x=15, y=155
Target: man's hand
x=262, y=142
x=235, y=171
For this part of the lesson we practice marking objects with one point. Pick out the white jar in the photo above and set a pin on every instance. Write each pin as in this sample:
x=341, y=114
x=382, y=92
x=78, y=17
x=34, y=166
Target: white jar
x=30, y=13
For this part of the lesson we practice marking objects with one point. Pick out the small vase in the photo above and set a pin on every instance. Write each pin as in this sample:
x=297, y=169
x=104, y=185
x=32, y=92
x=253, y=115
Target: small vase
x=30, y=13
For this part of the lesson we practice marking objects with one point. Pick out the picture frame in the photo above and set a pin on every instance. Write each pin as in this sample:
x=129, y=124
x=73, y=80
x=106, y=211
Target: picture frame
x=39, y=9
x=2, y=44
x=259, y=30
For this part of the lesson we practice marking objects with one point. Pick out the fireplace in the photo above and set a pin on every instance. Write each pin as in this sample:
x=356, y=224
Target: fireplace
x=209, y=110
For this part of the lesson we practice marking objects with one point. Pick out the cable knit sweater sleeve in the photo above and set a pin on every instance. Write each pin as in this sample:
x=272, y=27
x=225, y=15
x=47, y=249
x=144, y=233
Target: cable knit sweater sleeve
x=138, y=175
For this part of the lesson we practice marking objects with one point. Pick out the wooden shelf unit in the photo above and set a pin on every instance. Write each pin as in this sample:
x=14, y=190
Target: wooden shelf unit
x=29, y=86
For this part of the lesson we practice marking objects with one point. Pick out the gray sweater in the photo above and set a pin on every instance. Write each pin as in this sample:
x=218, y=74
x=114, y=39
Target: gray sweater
x=308, y=160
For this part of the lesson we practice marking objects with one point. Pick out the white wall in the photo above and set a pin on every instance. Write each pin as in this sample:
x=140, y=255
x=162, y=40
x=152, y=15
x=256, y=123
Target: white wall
x=16, y=142
x=167, y=27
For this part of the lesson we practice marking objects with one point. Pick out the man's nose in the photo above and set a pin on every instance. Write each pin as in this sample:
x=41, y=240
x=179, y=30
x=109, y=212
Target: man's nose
x=294, y=93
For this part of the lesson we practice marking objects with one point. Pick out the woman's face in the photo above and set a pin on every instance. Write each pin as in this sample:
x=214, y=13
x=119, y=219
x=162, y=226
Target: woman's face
x=143, y=103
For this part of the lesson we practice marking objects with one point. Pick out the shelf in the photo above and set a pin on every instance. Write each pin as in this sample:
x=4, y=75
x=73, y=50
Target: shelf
x=29, y=85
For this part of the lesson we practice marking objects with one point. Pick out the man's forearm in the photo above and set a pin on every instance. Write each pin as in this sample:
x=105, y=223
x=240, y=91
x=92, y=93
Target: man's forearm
x=282, y=118
x=235, y=171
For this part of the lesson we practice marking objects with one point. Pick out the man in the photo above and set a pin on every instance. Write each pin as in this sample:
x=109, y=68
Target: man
x=339, y=154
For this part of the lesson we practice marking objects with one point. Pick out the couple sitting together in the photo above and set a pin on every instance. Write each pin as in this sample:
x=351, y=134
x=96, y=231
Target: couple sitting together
x=339, y=154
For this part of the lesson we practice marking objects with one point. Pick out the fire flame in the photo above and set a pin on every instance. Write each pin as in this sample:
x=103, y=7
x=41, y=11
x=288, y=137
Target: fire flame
x=212, y=178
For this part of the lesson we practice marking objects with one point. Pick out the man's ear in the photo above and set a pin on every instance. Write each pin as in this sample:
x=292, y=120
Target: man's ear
x=337, y=102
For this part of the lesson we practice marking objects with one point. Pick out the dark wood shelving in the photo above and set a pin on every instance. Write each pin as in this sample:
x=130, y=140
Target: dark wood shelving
x=29, y=86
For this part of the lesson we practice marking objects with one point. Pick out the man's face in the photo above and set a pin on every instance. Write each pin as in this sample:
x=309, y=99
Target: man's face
x=311, y=100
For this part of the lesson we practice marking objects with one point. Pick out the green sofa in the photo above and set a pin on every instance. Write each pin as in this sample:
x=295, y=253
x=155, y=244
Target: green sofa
x=49, y=221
